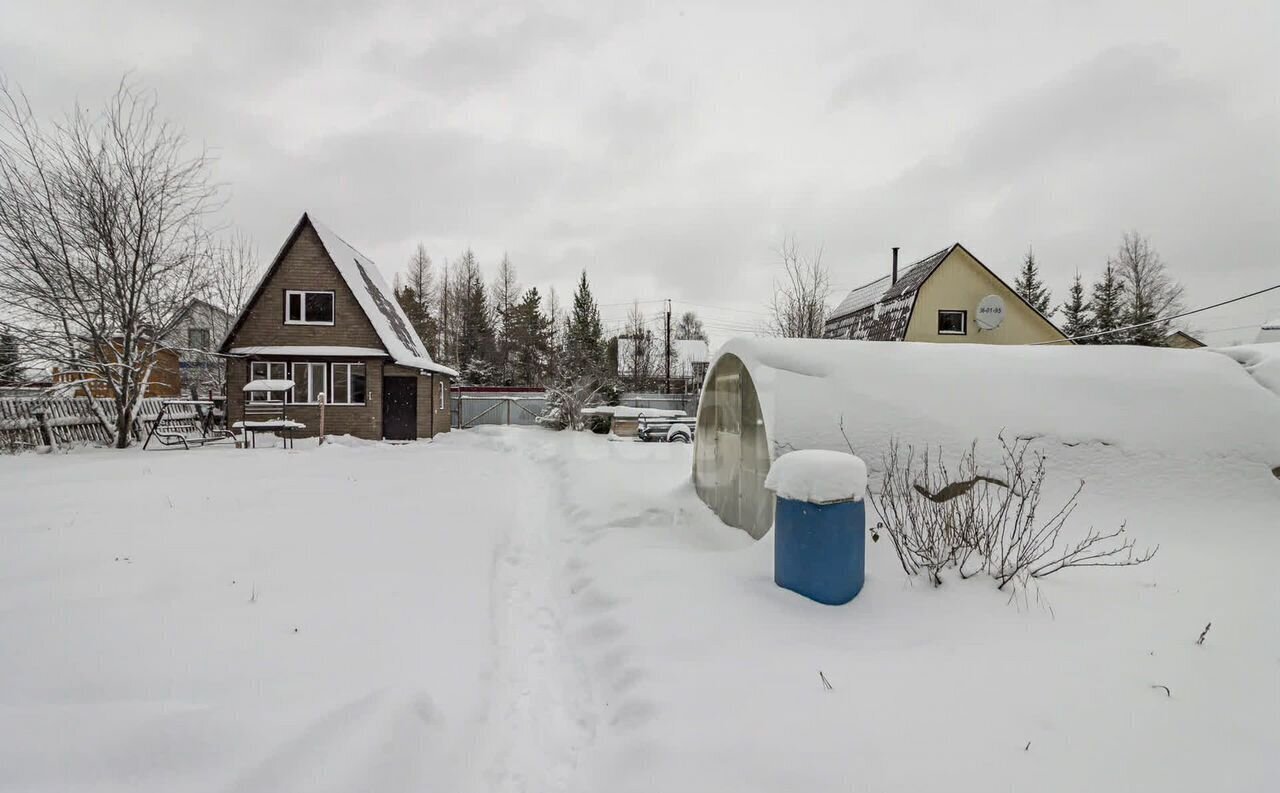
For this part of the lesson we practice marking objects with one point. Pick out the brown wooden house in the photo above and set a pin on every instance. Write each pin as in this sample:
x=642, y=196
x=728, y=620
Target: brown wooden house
x=324, y=318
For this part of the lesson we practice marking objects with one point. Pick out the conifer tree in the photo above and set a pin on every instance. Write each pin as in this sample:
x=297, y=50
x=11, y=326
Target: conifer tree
x=1030, y=287
x=529, y=340
x=1107, y=304
x=584, y=351
x=475, y=328
x=1075, y=312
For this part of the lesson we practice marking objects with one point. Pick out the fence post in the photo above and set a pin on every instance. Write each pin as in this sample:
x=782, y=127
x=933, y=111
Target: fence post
x=46, y=431
x=321, y=399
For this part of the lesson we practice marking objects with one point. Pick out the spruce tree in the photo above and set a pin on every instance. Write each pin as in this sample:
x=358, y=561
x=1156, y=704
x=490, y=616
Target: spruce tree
x=1030, y=287
x=1107, y=302
x=1075, y=312
x=476, y=350
x=584, y=352
x=529, y=340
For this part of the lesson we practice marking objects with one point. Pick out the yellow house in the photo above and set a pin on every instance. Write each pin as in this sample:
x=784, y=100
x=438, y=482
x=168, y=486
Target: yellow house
x=948, y=297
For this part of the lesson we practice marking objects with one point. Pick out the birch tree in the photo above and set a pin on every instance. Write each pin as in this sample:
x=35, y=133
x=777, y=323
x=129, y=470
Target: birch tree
x=799, y=307
x=103, y=241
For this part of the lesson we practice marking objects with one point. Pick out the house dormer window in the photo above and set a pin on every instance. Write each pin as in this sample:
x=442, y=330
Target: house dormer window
x=308, y=308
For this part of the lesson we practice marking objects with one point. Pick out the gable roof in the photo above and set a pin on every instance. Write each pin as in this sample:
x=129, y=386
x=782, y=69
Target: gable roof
x=881, y=310
x=371, y=293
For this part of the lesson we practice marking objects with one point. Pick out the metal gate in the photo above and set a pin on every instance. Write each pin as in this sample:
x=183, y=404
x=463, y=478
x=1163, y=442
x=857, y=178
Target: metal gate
x=473, y=410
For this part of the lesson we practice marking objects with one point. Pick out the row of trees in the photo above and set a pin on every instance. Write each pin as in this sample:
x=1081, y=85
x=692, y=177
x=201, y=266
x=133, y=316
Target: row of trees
x=1125, y=305
x=500, y=333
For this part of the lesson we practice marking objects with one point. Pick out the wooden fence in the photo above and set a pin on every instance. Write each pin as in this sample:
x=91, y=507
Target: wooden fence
x=49, y=422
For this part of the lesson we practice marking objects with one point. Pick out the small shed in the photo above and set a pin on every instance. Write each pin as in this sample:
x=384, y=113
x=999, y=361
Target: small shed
x=1270, y=331
x=765, y=397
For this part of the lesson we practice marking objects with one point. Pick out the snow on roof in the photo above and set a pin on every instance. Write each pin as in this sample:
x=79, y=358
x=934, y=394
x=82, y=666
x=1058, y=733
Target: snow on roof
x=879, y=310
x=1138, y=399
x=378, y=302
x=268, y=385
x=628, y=412
x=686, y=353
x=331, y=352
x=1270, y=331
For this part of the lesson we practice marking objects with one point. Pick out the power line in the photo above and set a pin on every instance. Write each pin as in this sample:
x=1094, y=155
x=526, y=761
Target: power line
x=1163, y=319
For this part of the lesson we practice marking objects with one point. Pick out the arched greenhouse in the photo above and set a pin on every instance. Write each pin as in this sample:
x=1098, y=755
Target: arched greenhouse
x=1087, y=407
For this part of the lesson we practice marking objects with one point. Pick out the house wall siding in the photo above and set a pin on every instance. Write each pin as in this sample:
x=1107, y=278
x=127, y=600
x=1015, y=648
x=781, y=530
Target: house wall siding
x=959, y=283
x=306, y=265
x=362, y=421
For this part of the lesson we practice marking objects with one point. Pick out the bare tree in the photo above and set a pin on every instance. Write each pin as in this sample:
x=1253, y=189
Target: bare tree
x=799, y=308
x=689, y=326
x=1149, y=291
x=233, y=273
x=638, y=351
x=102, y=241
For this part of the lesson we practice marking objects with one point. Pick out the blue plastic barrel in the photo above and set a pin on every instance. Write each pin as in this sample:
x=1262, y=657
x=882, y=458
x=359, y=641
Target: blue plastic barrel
x=820, y=549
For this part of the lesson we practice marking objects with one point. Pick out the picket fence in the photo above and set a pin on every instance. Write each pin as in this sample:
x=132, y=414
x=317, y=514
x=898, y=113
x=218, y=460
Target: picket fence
x=44, y=422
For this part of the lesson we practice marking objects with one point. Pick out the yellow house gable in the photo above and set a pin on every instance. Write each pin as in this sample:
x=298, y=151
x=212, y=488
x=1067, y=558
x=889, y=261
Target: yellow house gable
x=956, y=287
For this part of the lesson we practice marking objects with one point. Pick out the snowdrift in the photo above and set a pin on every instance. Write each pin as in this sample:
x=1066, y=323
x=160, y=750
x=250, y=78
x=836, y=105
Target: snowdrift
x=1261, y=361
x=1152, y=407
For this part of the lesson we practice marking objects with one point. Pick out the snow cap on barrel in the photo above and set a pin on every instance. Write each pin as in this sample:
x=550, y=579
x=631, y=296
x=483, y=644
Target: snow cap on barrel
x=818, y=476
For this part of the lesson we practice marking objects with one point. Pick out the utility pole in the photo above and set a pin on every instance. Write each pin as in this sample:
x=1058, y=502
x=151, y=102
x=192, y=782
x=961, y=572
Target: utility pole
x=667, y=350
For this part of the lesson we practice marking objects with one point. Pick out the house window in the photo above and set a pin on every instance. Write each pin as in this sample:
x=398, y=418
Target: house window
x=348, y=383
x=308, y=383
x=198, y=338
x=264, y=370
x=308, y=308
x=440, y=403
x=953, y=323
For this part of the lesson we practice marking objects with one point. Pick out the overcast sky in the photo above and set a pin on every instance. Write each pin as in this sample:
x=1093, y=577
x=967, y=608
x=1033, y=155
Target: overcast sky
x=667, y=148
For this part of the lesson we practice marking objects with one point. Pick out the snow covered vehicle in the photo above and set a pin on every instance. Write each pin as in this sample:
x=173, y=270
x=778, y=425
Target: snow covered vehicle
x=671, y=429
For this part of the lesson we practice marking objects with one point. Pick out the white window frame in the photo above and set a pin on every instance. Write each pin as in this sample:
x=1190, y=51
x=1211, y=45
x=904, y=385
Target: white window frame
x=312, y=390
x=304, y=292
x=266, y=396
x=964, y=322
x=440, y=404
x=347, y=365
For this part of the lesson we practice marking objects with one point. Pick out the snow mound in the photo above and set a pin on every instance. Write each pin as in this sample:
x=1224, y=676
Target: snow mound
x=818, y=476
x=1261, y=361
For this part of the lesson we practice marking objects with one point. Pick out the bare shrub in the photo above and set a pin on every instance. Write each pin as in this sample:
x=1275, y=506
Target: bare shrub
x=961, y=518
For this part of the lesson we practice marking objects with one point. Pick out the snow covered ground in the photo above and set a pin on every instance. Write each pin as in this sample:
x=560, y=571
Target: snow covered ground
x=521, y=610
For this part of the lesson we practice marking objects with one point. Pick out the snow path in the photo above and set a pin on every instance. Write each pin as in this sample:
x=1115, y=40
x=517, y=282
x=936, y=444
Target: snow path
x=541, y=717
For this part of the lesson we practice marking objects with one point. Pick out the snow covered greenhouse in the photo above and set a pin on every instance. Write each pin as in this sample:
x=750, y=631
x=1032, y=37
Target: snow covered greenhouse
x=1098, y=412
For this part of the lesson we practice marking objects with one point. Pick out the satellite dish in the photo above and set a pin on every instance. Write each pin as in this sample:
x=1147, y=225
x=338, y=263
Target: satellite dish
x=990, y=312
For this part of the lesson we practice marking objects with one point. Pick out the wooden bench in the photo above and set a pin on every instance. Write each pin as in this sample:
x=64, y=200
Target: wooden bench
x=185, y=422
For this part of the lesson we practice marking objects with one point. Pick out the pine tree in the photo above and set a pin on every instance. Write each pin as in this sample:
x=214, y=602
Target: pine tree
x=1075, y=312
x=584, y=351
x=475, y=342
x=1107, y=303
x=530, y=340
x=1030, y=287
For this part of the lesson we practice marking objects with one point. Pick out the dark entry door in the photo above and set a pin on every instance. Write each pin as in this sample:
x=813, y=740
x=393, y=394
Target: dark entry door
x=400, y=408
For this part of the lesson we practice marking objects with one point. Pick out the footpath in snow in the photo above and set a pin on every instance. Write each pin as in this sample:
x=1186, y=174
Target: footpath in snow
x=521, y=610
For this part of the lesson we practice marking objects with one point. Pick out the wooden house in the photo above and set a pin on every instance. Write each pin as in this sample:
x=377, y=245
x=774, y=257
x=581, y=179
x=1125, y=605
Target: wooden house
x=323, y=317
x=947, y=297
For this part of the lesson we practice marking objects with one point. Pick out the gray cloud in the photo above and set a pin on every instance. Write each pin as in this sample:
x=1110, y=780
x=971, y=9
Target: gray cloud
x=668, y=150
